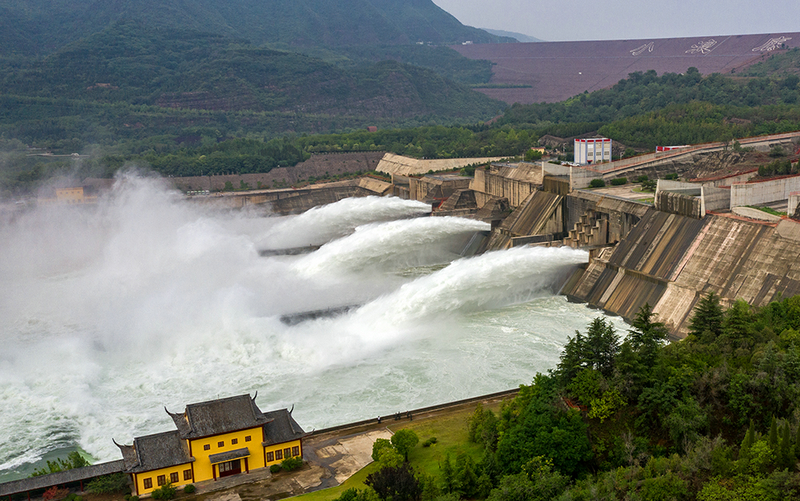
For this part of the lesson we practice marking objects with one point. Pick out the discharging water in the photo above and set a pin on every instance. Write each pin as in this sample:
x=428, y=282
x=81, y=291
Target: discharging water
x=110, y=313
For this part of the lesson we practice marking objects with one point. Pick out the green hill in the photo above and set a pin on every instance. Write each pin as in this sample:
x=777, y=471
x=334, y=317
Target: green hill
x=182, y=69
x=30, y=27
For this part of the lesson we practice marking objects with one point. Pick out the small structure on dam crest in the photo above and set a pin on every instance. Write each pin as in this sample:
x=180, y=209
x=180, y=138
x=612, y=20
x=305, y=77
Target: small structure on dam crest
x=213, y=439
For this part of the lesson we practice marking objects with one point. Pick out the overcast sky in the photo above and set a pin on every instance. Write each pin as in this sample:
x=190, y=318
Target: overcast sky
x=627, y=19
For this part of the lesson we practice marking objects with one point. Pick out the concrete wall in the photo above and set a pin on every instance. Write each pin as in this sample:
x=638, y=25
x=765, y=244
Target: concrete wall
x=679, y=203
x=493, y=183
x=407, y=166
x=715, y=199
x=427, y=188
x=710, y=197
x=549, y=169
x=581, y=177
x=763, y=192
x=794, y=202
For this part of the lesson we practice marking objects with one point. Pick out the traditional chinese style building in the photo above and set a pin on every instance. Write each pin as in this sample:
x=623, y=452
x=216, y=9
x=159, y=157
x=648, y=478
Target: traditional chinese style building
x=213, y=439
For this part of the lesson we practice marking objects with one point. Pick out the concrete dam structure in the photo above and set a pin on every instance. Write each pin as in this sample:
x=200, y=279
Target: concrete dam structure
x=670, y=261
x=670, y=253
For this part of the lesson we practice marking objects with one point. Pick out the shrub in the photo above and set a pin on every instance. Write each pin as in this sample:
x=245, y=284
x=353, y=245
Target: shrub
x=597, y=183
x=429, y=442
x=777, y=151
x=165, y=492
x=290, y=464
x=54, y=493
x=671, y=177
x=190, y=489
x=641, y=179
x=649, y=185
x=73, y=497
x=275, y=468
x=619, y=181
x=107, y=484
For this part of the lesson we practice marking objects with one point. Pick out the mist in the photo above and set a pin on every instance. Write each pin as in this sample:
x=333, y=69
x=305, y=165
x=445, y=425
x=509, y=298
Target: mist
x=111, y=312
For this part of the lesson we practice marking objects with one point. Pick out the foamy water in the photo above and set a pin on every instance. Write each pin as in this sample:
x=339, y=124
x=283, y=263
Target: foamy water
x=110, y=313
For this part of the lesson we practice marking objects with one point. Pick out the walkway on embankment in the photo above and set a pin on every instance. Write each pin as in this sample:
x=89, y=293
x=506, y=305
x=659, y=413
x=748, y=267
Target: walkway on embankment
x=614, y=169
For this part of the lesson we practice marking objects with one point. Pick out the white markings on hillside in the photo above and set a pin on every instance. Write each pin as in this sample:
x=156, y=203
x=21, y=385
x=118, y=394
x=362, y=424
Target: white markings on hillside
x=772, y=44
x=703, y=47
x=638, y=51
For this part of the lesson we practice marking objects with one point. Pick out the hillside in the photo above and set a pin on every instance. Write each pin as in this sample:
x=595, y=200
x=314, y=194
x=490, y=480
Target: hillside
x=34, y=27
x=129, y=63
x=554, y=71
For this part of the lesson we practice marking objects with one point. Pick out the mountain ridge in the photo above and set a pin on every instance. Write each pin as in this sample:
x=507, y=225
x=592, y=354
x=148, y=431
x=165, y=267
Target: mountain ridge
x=34, y=27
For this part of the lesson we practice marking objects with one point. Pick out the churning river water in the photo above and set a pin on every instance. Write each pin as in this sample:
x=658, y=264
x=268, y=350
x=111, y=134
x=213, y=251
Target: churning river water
x=111, y=312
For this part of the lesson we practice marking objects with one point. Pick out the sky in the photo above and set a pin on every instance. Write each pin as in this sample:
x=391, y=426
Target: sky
x=627, y=19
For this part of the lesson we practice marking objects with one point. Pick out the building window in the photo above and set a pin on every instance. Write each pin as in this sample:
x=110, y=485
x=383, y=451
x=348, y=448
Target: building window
x=287, y=452
x=187, y=474
x=278, y=455
x=295, y=451
x=247, y=438
x=162, y=479
x=234, y=441
x=270, y=457
x=207, y=447
x=220, y=444
x=148, y=483
x=173, y=477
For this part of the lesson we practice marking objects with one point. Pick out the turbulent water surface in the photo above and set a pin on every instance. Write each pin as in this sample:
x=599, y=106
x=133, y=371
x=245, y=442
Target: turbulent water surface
x=112, y=312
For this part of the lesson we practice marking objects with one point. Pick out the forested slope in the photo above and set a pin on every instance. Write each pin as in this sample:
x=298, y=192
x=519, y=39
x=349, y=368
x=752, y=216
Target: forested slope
x=33, y=27
x=712, y=417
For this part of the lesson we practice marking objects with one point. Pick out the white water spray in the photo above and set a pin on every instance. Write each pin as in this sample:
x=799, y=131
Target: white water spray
x=109, y=313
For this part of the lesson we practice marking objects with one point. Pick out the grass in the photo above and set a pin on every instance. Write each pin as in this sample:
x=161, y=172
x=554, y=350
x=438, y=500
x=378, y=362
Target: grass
x=451, y=433
x=356, y=481
x=768, y=210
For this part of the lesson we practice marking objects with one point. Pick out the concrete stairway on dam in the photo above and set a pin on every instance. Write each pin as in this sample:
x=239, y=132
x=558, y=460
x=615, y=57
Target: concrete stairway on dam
x=591, y=230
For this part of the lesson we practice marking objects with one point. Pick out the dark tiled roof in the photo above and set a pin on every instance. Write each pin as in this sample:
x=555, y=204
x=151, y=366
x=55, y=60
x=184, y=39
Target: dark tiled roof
x=229, y=456
x=219, y=416
x=283, y=427
x=152, y=452
x=60, y=478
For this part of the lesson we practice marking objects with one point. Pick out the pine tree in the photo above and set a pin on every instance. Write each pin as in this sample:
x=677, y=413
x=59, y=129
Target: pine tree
x=785, y=455
x=797, y=442
x=772, y=441
x=706, y=323
x=744, y=451
x=601, y=346
x=647, y=334
x=448, y=475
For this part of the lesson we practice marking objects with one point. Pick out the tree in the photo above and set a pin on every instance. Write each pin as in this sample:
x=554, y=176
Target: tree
x=107, y=484
x=395, y=483
x=379, y=445
x=74, y=460
x=706, y=323
x=545, y=430
x=647, y=335
x=601, y=346
x=404, y=440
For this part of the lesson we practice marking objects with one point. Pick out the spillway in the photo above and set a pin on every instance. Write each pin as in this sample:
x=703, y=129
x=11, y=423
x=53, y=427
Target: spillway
x=112, y=312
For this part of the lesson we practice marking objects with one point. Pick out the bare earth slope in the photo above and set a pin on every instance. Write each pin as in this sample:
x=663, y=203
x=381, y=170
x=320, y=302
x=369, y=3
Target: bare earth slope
x=559, y=70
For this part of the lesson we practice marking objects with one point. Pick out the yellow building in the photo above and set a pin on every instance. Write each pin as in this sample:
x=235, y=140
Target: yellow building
x=69, y=195
x=213, y=439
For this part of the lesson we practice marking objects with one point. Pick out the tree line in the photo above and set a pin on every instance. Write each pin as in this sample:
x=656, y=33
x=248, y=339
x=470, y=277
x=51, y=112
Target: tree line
x=715, y=416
